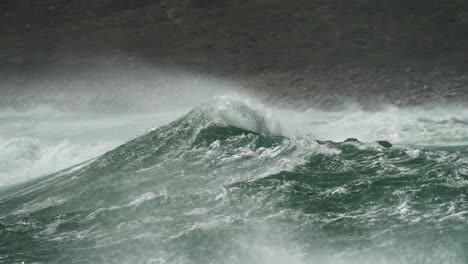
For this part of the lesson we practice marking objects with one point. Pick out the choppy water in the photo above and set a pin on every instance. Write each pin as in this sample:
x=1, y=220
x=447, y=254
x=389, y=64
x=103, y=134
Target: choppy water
x=233, y=183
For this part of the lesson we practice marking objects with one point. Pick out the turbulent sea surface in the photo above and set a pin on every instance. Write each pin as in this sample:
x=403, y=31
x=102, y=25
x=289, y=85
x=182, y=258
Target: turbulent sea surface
x=230, y=182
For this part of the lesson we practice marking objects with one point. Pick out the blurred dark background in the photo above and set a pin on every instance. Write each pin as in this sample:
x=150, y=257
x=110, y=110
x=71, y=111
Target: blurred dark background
x=312, y=52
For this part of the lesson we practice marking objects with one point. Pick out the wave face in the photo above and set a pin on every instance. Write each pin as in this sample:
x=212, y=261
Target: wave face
x=223, y=185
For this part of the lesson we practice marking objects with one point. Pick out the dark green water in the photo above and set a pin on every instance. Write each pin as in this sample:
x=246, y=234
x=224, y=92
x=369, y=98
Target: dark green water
x=219, y=186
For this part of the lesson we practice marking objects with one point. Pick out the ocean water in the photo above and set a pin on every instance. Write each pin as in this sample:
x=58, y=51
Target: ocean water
x=235, y=181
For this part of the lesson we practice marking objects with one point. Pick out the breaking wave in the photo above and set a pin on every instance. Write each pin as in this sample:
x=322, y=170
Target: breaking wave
x=231, y=182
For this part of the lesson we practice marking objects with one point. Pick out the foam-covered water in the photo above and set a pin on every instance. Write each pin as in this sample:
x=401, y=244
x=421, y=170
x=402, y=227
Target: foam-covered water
x=430, y=126
x=45, y=140
x=237, y=182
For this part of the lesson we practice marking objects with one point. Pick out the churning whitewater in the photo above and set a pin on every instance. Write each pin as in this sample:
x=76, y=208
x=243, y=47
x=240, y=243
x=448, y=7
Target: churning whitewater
x=226, y=183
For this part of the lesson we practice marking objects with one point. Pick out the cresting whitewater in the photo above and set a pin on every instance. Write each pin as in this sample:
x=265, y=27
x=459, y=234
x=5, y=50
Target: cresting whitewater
x=224, y=183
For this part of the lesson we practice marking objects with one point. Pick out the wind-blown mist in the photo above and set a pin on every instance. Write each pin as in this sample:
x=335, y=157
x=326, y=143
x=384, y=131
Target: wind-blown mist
x=234, y=180
x=111, y=86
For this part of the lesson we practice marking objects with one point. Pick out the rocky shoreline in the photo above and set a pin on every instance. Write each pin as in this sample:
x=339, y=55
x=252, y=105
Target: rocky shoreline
x=307, y=53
